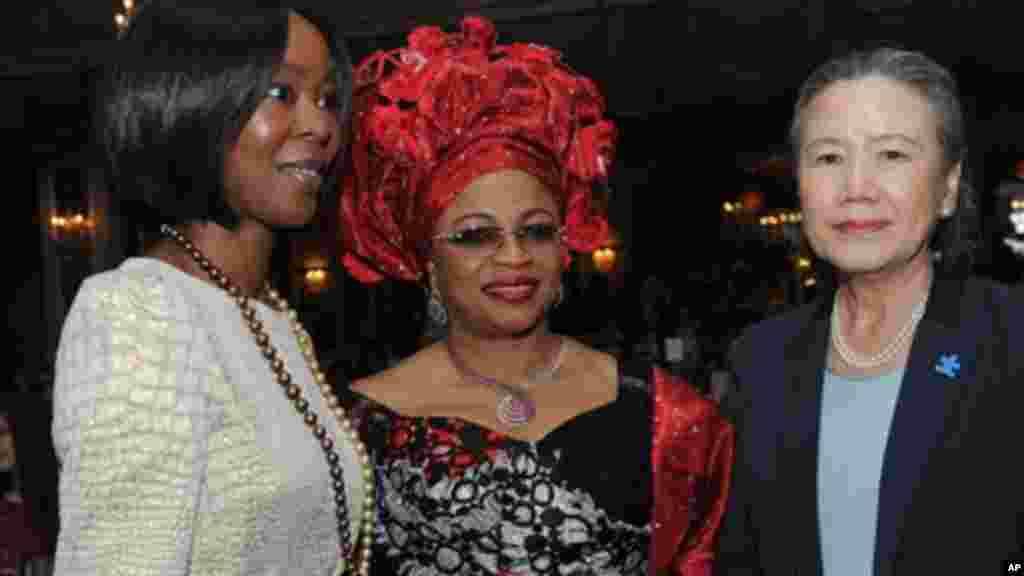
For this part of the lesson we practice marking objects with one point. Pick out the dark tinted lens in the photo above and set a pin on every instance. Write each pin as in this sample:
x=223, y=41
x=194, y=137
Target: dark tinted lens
x=538, y=233
x=483, y=237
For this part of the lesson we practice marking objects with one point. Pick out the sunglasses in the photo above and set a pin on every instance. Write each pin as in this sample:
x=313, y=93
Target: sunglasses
x=487, y=240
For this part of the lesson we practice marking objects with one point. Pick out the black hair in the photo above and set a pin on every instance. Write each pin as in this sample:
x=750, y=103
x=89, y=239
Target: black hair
x=187, y=76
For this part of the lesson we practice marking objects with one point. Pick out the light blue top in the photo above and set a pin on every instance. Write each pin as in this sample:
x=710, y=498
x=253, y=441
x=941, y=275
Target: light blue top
x=855, y=420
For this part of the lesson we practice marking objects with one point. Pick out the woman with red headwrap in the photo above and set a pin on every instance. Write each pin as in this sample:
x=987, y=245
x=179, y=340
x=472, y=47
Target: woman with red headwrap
x=505, y=448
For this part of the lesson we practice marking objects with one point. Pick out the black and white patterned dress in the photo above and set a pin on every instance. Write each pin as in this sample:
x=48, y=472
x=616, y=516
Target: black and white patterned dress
x=456, y=498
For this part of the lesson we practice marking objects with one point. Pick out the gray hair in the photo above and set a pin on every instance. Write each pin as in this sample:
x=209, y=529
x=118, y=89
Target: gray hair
x=953, y=237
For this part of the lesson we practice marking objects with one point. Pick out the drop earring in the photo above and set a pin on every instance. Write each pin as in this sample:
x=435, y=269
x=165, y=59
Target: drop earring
x=435, y=308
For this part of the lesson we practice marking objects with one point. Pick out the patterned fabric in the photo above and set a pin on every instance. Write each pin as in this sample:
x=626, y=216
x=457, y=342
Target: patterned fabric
x=459, y=499
x=434, y=115
x=179, y=453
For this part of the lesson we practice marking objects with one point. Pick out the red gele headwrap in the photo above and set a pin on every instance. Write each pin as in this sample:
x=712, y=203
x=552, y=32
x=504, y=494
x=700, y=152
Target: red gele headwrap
x=432, y=117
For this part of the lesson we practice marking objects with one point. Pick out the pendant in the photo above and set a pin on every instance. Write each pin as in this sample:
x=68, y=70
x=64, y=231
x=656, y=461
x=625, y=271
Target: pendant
x=515, y=408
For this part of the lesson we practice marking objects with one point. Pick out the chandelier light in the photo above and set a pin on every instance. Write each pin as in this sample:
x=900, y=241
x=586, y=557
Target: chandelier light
x=123, y=16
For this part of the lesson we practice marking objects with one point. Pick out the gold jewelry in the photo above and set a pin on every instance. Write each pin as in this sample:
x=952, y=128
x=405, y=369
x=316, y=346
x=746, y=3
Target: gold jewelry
x=294, y=394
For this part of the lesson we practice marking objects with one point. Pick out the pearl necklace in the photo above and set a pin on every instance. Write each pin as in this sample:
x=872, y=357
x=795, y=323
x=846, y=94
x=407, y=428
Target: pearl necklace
x=515, y=407
x=851, y=358
x=294, y=394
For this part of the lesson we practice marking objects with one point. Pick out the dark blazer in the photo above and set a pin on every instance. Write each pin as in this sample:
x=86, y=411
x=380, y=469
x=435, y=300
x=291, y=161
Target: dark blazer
x=951, y=498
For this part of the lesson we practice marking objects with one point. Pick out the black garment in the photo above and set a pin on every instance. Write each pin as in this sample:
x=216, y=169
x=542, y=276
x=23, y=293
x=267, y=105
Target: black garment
x=950, y=497
x=457, y=498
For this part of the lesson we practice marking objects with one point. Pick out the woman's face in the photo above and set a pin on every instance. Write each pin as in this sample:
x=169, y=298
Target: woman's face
x=274, y=171
x=872, y=178
x=507, y=292
x=7, y=458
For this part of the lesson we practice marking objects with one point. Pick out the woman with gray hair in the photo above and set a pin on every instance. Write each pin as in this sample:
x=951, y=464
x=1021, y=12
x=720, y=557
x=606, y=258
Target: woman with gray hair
x=875, y=422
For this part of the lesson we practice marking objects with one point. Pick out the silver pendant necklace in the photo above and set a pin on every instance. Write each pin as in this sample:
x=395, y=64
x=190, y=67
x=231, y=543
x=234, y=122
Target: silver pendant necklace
x=515, y=406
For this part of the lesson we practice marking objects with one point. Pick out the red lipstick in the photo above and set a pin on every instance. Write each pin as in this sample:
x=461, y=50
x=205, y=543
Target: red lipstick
x=861, y=226
x=512, y=289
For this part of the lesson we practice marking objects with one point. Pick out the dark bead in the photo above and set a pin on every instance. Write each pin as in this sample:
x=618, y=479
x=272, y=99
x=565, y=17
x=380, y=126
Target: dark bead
x=262, y=339
x=339, y=485
x=248, y=313
x=293, y=391
x=255, y=325
x=339, y=499
x=320, y=432
x=338, y=474
x=310, y=419
x=301, y=405
x=332, y=458
x=327, y=444
x=276, y=365
x=234, y=291
x=268, y=352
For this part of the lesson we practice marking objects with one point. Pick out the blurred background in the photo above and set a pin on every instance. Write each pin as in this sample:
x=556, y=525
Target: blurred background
x=706, y=226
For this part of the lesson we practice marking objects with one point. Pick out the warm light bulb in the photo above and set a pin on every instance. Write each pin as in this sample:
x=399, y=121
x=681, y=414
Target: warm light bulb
x=604, y=259
x=316, y=275
x=128, y=5
x=120, y=19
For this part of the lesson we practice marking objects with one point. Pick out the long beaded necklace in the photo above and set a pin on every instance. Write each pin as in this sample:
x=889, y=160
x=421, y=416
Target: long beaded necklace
x=886, y=354
x=515, y=406
x=294, y=394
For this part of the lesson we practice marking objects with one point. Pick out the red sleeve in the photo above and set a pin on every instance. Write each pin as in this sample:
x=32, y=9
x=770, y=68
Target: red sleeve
x=692, y=456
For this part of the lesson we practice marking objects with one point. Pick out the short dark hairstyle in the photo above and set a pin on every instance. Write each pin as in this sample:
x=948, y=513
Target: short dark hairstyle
x=954, y=237
x=187, y=76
